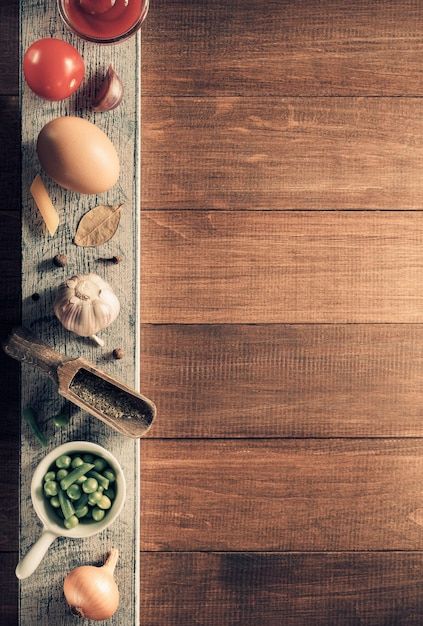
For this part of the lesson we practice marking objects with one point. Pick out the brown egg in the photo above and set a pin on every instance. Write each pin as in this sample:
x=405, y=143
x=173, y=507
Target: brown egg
x=78, y=155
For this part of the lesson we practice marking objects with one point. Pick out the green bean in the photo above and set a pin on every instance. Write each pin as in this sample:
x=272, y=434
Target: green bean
x=77, y=461
x=104, y=503
x=110, y=475
x=82, y=512
x=104, y=482
x=30, y=416
x=90, y=485
x=55, y=502
x=66, y=505
x=81, y=479
x=98, y=514
x=50, y=488
x=88, y=458
x=63, y=461
x=99, y=464
x=81, y=502
x=71, y=522
x=49, y=476
x=68, y=480
x=74, y=492
x=61, y=474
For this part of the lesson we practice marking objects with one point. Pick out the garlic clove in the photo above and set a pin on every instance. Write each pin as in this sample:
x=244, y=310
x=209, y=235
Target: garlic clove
x=111, y=92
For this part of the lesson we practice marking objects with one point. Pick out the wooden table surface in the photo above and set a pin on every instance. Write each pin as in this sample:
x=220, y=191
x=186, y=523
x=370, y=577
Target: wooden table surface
x=282, y=308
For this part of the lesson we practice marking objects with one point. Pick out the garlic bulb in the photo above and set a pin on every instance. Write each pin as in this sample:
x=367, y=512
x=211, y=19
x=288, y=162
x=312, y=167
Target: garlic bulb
x=85, y=305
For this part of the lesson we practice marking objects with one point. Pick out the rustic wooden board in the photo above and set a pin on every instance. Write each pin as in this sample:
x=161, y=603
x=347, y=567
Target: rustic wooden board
x=317, y=494
x=9, y=43
x=231, y=380
x=308, y=48
x=8, y=590
x=292, y=267
x=376, y=589
x=41, y=599
x=10, y=186
x=283, y=153
x=8, y=494
x=273, y=589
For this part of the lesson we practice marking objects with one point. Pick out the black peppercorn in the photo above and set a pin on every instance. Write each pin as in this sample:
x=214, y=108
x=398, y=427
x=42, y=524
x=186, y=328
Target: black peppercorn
x=118, y=353
x=60, y=260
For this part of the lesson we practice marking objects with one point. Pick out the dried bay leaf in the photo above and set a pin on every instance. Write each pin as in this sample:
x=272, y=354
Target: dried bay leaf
x=98, y=225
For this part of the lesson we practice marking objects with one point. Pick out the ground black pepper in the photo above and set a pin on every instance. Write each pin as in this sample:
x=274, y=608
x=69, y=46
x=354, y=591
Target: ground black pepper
x=108, y=398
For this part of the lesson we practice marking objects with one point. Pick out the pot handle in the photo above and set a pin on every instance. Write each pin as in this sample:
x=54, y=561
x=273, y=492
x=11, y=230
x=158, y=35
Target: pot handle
x=35, y=555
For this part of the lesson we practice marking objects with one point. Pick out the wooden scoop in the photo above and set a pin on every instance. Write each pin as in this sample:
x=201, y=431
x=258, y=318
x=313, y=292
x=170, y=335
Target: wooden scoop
x=82, y=383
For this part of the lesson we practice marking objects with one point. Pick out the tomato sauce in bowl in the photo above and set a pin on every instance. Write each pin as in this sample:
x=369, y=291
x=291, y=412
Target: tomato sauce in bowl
x=118, y=22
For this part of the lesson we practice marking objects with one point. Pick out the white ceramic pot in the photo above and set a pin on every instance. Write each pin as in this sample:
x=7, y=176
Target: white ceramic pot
x=51, y=527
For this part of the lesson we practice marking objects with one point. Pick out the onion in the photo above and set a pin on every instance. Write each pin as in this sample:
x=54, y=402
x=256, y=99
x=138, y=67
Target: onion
x=91, y=592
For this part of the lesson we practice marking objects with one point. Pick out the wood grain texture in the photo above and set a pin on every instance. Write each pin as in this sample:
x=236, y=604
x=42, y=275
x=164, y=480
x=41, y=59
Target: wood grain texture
x=245, y=47
x=379, y=589
x=9, y=43
x=8, y=590
x=10, y=168
x=313, y=495
x=284, y=380
x=281, y=267
x=10, y=311
x=41, y=602
x=9, y=499
x=282, y=153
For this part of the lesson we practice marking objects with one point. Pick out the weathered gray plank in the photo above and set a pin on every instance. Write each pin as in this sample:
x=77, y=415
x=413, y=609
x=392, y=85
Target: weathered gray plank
x=41, y=599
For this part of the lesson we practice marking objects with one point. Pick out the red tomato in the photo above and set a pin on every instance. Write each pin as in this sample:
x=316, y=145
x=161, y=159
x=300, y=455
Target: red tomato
x=53, y=68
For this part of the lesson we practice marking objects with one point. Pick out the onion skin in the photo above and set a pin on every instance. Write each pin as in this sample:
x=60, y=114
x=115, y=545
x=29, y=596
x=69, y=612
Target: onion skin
x=91, y=592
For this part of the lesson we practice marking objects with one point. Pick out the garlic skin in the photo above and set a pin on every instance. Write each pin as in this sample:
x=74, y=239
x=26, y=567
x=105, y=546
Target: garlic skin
x=111, y=92
x=85, y=305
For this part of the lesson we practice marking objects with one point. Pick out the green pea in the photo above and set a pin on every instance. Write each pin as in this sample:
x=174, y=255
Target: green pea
x=74, y=492
x=90, y=485
x=61, y=420
x=88, y=458
x=71, y=522
x=99, y=464
x=61, y=474
x=98, y=514
x=51, y=488
x=77, y=461
x=110, y=493
x=94, y=497
x=49, y=476
x=104, y=503
x=102, y=480
x=55, y=502
x=100, y=488
x=63, y=461
x=110, y=475
x=82, y=512
x=81, y=480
